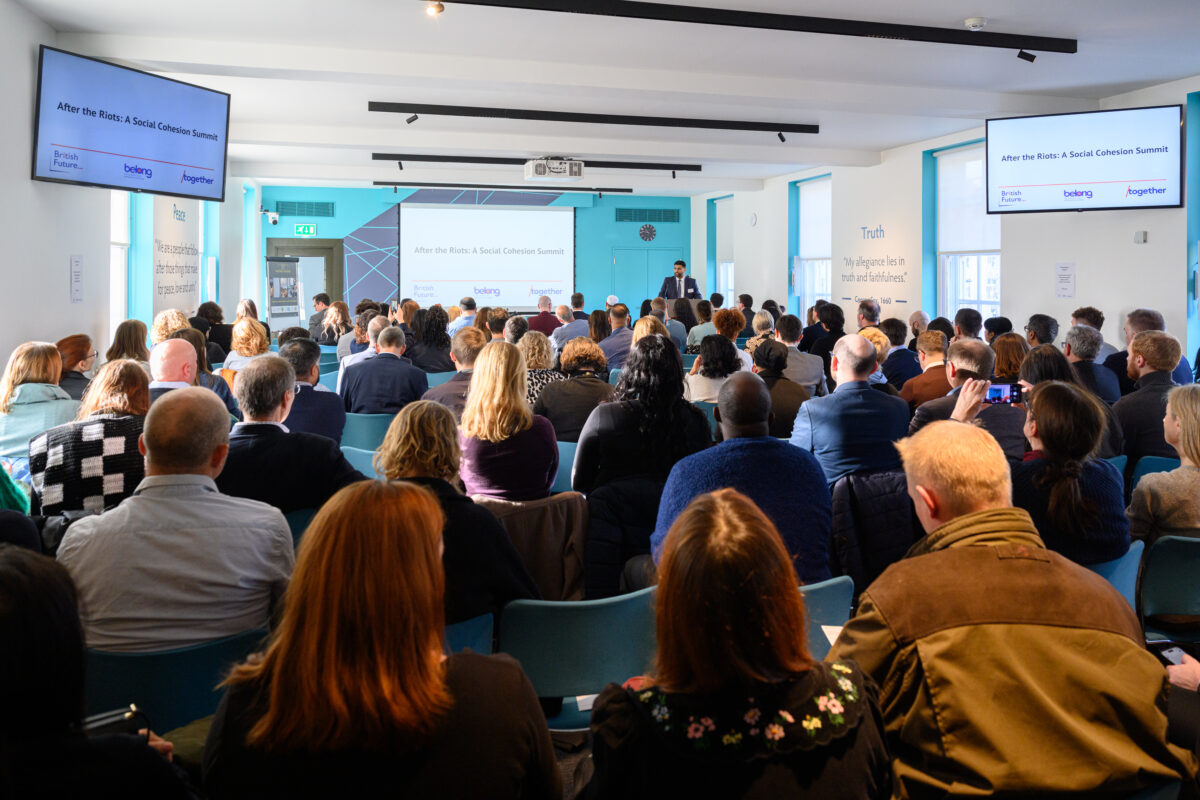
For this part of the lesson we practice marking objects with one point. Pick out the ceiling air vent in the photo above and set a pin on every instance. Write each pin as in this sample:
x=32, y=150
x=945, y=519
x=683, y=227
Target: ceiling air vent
x=658, y=215
x=286, y=208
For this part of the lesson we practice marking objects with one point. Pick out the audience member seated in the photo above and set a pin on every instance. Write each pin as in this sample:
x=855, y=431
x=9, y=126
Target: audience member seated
x=932, y=382
x=647, y=428
x=918, y=323
x=833, y=322
x=247, y=309
x=267, y=461
x=1081, y=348
x=212, y=350
x=464, y=320
x=570, y=328
x=1047, y=363
x=567, y=404
x=483, y=569
x=661, y=310
x=46, y=754
x=288, y=334
x=1152, y=356
x=167, y=322
x=899, y=363
x=544, y=321
x=745, y=307
x=680, y=310
x=968, y=322
x=433, y=352
x=772, y=308
x=515, y=328
x=716, y=299
x=577, y=306
x=1004, y=669
x=386, y=382
x=598, y=326
x=482, y=316
x=971, y=359
x=249, y=342
x=1093, y=318
x=728, y=322
x=204, y=375
x=803, y=368
x=129, y=341
x=943, y=325
x=995, y=327
x=648, y=326
x=1138, y=320
x=507, y=451
x=852, y=429
x=178, y=563
x=464, y=349
x=868, y=314
x=404, y=316
x=784, y=481
x=736, y=706
x=94, y=462
x=718, y=360
x=764, y=330
x=16, y=526
x=31, y=403
x=335, y=324
x=357, y=340
x=1041, y=329
x=539, y=365
x=497, y=319
x=78, y=356
x=342, y=695
x=218, y=332
x=1168, y=503
x=316, y=320
x=616, y=345
x=704, y=327
x=770, y=362
x=173, y=366
x=315, y=409
x=1010, y=349
x=882, y=345
x=377, y=325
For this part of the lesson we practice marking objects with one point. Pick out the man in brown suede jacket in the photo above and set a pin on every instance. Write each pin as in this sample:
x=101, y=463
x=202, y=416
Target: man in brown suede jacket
x=1003, y=667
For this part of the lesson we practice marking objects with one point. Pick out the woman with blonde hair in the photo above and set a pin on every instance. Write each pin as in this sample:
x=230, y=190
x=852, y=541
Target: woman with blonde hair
x=31, y=402
x=249, y=342
x=648, y=326
x=248, y=309
x=354, y=683
x=538, y=353
x=507, y=451
x=1168, y=503
x=78, y=356
x=129, y=341
x=736, y=705
x=567, y=404
x=336, y=324
x=166, y=323
x=883, y=346
x=99, y=463
x=483, y=569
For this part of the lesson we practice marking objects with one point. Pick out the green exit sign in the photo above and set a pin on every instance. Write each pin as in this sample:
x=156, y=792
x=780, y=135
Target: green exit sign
x=309, y=229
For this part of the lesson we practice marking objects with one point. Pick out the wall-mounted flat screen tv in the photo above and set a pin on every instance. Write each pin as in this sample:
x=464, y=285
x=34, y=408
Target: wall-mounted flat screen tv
x=99, y=124
x=1093, y=161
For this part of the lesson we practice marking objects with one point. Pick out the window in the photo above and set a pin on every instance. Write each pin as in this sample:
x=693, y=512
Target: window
x=968, y=240
x=812, y=270
x=724, y=211
x=118, y=259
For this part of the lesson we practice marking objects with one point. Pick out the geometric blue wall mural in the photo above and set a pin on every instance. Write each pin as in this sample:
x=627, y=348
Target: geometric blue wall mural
x=371, y=268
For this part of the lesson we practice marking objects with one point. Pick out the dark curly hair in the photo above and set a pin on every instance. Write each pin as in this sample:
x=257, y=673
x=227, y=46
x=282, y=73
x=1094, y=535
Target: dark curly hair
x=718, y=357
x=416, y=323
x=433, y=332
x=653, y=374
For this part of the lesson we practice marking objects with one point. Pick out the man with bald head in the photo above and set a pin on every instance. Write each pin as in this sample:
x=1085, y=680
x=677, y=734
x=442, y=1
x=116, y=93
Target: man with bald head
x=544, y=321
x=173, y=366
x=918, y=323
x=570, y=328
x=852, y=429
x=786, y=482
x=178, y=563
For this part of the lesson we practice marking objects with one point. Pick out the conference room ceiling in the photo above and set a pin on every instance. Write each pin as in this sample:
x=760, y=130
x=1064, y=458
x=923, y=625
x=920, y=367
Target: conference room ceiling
x=301, y=76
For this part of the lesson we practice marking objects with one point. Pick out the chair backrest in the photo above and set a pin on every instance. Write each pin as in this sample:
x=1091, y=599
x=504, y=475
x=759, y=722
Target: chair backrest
x=362, y=460
x=298, y=522
x=365, y=431
x=228, y=375
x=328, y=379
x=1169, y=584
x=688, y=360
x=570, y=649
x=216, y=367
x=329, y=348
x=1148, y=464
x=1119, y=462
x=475, y=633
x=438, y=378
x=826, y=603
x=707, y=408
x=1122, y=572
x=549, y=534
x=566, y=461
x=614, y=375
x=173, y=687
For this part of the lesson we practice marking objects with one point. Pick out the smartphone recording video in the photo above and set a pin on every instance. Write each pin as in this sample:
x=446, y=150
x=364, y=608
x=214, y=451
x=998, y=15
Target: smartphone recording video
x=1000, y=393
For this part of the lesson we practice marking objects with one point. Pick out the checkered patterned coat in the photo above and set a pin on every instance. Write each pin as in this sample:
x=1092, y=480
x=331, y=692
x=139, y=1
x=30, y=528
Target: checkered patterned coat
x=87, y=465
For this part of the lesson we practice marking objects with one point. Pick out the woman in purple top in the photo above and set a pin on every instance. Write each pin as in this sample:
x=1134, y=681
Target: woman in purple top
x=507, y=451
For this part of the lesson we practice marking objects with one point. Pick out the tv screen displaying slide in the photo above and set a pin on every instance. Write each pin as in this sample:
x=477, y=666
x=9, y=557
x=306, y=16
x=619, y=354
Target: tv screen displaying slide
x=99, y=124
x=500, y=256
x=1102, y=160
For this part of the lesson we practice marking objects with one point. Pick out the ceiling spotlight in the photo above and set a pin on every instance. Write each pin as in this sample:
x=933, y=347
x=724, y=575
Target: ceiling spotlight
x=411, y=119
x=1024, y=56
x=781, y=137
x=400, y=164
x=672, y=174
x=433, y=9
x=975, y=23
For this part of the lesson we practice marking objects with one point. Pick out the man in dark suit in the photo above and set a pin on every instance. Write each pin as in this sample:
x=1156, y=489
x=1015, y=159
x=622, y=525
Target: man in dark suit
x=918, y=323
x=173, y=366
x=386, y=383
x=680, y=285
x=320, y=305
x=1081, y=347
x=1152, y=356
x=1138, y=320
x=810, y=334
x=833, y=322
x=577, y=306
x=932, y=382
x=853, y=429
x=268, y=462
x=464, y=349
x=900, y=363
x=315, y=409
x=971, y=359
x=746, y=306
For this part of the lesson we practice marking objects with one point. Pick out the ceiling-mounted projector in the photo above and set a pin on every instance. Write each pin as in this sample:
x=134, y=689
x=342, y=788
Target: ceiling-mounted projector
x=553, y=169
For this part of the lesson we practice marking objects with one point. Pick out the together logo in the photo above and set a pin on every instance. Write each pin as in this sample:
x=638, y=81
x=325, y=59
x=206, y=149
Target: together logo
x=1132, y=192
x=139, y=171
x=486, y=291
x=194, y=179
x=536, y=292
x=1073, y=193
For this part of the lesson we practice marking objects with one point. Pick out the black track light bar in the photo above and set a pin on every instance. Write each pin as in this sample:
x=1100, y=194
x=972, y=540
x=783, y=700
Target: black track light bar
x=541, y=187
x=591, y=119
x=517, y=162
x=738, y=18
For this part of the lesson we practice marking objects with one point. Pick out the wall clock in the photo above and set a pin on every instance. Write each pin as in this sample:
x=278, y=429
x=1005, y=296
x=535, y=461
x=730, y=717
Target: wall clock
x=647, y=233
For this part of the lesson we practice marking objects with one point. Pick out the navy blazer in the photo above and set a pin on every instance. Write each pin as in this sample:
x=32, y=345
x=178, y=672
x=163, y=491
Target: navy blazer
x=317, y=412
x=852, y=430
x=1101, y=380
x=810, y=336
x=901, y=365
x=382, y=385
x=283, y=469
x=668, y=288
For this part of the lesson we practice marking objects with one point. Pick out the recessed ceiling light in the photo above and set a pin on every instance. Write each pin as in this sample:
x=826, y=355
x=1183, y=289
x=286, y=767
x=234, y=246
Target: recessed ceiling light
x=433, y=9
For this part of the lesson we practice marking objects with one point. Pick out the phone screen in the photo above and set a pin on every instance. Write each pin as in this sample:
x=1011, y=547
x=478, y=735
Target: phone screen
x=1003, y=393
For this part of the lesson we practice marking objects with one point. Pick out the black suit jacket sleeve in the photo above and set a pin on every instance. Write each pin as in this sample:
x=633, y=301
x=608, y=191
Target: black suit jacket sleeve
x=340, y=473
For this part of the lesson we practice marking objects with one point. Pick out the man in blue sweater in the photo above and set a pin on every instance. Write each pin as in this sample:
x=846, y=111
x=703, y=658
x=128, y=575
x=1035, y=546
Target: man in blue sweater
x=786, y=482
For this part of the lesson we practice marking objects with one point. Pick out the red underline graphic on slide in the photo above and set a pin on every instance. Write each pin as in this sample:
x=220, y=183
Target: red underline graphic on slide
x=1077, y=183
x=138, y=158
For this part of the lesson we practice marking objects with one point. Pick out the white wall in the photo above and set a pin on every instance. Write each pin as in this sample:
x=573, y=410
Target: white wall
x=43, y=224
x=229, y=269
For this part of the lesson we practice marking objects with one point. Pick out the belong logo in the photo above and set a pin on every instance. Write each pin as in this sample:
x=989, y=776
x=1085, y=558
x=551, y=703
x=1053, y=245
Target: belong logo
x=1074, y=193
x=485, y=291
x=194, y=179
x=138, y=171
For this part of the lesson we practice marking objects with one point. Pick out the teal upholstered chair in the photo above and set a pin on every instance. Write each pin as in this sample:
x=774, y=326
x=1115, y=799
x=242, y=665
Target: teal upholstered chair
x=475, y=633
x=362, y=460
x=1122, y=572
x=1169, y=588
x=826, y=603
x=566, y=460
x=365, y=431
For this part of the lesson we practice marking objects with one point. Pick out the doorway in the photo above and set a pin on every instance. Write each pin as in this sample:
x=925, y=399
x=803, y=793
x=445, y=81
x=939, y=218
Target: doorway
x=320, y=268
